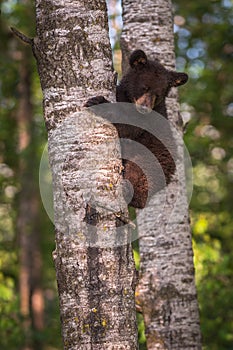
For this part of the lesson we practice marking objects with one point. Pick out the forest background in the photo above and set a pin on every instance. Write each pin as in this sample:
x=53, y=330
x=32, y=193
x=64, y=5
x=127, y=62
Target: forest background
x=204, y=49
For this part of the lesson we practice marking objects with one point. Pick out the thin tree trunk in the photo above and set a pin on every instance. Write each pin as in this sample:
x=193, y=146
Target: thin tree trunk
x=31, y=304
x=94, y=264
x=166, y=289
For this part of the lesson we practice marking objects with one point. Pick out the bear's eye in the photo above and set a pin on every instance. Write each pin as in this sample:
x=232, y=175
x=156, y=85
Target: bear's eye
x=145, y=88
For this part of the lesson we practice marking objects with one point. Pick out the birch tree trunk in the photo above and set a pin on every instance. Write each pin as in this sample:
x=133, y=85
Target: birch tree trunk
x=167, y=288
x=94, y=264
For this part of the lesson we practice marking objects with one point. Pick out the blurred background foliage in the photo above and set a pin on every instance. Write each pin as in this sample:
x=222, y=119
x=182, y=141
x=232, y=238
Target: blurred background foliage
x=204, y=48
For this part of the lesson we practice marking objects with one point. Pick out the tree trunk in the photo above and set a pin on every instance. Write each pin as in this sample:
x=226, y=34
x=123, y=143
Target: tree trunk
x=31, y=296
x=94, y=264
x=166, y=289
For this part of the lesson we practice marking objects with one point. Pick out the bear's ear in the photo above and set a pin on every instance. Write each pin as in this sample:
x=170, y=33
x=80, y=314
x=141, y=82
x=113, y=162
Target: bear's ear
x=137, y=58
x=177, y=79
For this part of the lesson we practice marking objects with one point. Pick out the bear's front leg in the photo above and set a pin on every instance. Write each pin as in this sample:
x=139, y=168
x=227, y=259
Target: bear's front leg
x=97, y=100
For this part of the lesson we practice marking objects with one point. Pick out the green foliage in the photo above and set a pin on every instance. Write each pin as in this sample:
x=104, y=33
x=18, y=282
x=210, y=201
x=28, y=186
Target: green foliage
x=204, y=37
x=10, y=322
x=141, y=332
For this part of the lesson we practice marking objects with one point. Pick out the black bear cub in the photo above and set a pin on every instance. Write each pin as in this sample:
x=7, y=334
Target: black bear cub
x=146, y=84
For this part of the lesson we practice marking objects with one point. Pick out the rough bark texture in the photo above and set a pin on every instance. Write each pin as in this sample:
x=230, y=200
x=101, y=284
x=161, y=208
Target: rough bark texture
x=95, y=268
x=167, y=289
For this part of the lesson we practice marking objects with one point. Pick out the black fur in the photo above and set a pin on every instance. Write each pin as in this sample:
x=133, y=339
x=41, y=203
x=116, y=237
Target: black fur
x=146, y=84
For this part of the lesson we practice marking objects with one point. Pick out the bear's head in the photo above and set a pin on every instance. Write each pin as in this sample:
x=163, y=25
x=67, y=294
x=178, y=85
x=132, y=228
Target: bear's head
x=147, y=83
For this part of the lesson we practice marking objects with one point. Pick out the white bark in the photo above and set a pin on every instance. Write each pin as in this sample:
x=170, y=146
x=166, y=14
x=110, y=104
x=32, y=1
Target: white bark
x=167, y=289
x=95, y=269
x=148, y=25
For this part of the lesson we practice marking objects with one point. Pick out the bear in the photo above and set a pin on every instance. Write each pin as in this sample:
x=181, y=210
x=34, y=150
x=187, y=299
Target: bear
x=146, y=85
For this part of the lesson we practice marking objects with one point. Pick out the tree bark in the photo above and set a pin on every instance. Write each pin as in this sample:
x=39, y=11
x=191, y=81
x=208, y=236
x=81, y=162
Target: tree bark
x=166, y=289
x=94, y=264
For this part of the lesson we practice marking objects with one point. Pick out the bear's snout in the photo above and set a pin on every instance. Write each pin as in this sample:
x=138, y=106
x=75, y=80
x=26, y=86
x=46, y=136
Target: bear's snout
x=145, y=103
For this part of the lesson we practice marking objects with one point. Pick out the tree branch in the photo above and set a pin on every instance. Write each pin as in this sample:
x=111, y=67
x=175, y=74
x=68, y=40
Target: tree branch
x=22, y=37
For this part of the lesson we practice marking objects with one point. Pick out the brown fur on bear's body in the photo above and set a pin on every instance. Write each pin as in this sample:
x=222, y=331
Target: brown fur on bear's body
x=146, y=84
x=148, y=173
